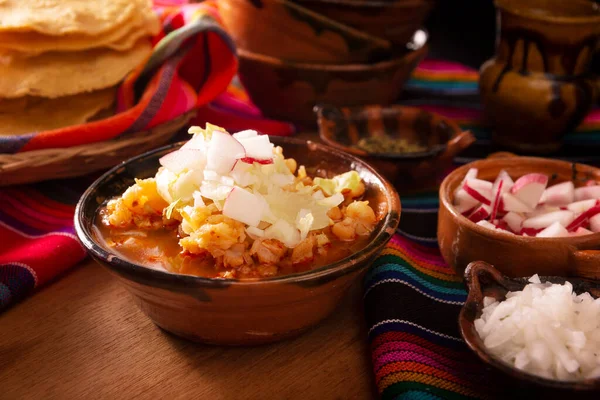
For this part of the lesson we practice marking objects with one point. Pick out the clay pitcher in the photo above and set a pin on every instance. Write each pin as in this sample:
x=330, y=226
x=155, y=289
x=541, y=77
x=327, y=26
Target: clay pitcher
x=539, y=85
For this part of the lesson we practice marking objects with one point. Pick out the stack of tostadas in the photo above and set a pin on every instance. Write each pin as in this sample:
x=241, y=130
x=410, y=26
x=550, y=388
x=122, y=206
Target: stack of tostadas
x=61, y=60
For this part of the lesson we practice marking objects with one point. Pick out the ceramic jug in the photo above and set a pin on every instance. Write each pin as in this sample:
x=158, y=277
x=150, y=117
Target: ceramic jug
x=539, y=85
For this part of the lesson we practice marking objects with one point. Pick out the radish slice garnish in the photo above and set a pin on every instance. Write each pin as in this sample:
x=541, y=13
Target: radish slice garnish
x=587, y=192
x=497, y=198
x=250, y=160
x=243, y=206
x=481, y=212
x=248, y=133
x=545, y=220
x=529, y=231
x=223, y=153
x=183, y=159
x=581, y=232
x=554, y=230
x=479, y=190
x=529, y=188
x=559, y=195
x=471, y=174
x=582, y=206
x=257, y=148
x=511, y=203
x=486, y=224
x=595, y=223
x=583, y=218
x=514, y=221
x=464, y=202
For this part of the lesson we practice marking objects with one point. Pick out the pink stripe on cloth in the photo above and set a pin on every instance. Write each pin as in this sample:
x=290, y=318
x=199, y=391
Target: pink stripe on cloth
x=401, y=346
x=435, y=65
x=414, y=356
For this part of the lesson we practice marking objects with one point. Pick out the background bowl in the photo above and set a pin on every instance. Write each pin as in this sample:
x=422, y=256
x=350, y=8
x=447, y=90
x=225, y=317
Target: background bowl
x=395, y=21
x=483, y=280
x=240, y=312
x=443, y=139
x=289, y=91
x=462, y=241
x=291, y=32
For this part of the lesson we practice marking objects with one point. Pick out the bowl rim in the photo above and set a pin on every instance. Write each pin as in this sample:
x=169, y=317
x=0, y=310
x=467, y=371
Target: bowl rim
x=387, y=228
x=505, y=6
x=423, y=155
x=462, y=220
x=416, y=52
x=471, y=278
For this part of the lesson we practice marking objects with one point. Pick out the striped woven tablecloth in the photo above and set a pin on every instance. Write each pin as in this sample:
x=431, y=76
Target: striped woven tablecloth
x=412, y=298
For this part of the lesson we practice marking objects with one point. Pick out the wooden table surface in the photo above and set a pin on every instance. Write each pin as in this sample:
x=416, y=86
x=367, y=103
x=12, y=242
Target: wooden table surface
x=83, y=338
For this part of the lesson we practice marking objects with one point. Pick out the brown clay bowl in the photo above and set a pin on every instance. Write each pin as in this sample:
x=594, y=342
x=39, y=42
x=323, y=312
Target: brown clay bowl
x=462, y=241
x=292, y=32
x=483, y=280
x=395, y=21
x=441, y=137
x=289, y=91
x=240, y=312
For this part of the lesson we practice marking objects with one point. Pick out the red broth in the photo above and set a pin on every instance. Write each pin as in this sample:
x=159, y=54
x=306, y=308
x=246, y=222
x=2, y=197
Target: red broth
x=159, y=249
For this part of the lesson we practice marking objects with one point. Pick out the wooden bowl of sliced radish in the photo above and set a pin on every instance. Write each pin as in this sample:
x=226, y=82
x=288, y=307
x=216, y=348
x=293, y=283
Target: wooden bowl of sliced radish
x=524, y=215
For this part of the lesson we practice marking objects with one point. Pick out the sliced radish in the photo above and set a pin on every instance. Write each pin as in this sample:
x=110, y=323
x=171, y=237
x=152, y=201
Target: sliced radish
x=591, y=182
x=529, y=231
x=183, y=159
x=243, y=206
x=464, y=202
x=595, y=223
x=481, y=212
x=554, y=230
x=471, y=174
x=581, y=206
x=511, y=203
x=514, y=221
x=545, y=220
x=486, y=224
x=529, y=188
x=479, y=189
x=501, y=224
x=496, y=203
x=583, y=218
x=250, y=160
x=587, y=192
x=559, y=195
x=223, y=152
x=248, y=133
x=581, y=232
x=542, y=209
x=504, y=177
x=258, y=147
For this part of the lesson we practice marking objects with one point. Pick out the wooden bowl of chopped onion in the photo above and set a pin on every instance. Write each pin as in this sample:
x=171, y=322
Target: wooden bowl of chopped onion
x=540, y=330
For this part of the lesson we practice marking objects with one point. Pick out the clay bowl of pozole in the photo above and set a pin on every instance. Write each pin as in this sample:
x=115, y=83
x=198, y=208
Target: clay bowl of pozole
x=199, y=272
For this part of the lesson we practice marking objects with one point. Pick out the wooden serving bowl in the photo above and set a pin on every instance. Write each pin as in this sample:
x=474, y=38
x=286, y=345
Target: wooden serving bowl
x=462, y=241
x=442, y=138
x=292, y=32
x=483, y=280
x=233, y=312
x=289, y=91
x=395, y=21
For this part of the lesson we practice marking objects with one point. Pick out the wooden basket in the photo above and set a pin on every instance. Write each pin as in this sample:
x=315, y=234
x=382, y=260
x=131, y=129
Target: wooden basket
x=46, y=164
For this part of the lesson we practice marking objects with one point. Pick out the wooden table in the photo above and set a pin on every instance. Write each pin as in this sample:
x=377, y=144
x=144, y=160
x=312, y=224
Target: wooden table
x=83, y=338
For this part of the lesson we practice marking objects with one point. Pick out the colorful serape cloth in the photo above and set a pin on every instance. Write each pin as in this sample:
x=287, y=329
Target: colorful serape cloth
x=412, y=298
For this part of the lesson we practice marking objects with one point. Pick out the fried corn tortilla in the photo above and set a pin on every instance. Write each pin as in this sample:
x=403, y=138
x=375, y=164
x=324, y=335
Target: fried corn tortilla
x=29, y=115
x=60, y=74
x=60, y=17
x=121, y=38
